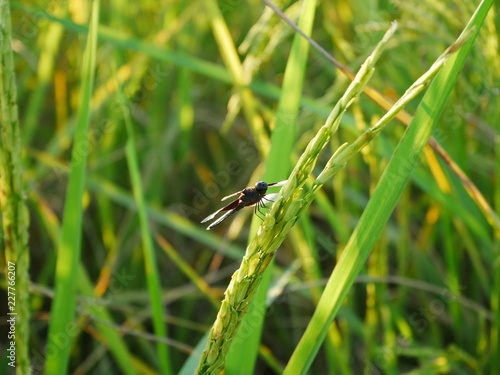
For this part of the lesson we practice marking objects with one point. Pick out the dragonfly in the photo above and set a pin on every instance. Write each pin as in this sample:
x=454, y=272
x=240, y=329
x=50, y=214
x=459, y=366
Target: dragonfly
x=248, y=197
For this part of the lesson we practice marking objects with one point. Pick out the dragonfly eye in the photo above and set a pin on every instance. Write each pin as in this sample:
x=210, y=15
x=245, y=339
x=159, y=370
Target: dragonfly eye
x=261, y=186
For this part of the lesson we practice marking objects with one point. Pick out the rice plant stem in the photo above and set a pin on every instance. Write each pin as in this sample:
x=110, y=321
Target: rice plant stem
x=15, y=219
x=278, y=221
x=232, y=61
x=338, y=160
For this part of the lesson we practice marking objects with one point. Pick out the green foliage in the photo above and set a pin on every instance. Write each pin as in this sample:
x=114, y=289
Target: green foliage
x=383, y=247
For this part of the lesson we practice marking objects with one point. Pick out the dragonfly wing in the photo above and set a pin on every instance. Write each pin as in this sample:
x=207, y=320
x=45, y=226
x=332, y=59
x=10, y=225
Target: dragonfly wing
x=232, y=195
x=210, y=217
x=281, y=183
x=225, y=216
x=230, y=206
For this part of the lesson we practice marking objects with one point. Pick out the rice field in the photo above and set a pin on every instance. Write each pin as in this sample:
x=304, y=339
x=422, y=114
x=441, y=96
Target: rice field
x=124, y=124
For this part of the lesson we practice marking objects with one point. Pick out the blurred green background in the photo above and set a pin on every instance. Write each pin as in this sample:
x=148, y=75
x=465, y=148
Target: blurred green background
x=427, y=301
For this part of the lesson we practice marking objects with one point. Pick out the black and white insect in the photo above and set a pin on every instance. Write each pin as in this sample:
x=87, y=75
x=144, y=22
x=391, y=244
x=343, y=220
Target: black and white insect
x=248, y=197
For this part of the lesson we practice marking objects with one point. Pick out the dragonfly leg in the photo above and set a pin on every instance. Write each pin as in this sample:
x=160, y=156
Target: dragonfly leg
x=266, y=203
x=261, y=205
x=257, y=210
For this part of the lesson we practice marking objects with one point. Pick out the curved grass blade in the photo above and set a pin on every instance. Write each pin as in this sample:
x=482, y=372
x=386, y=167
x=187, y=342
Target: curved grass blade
x=69, y=247
x=382, y=202
x=151, y=266
x=231, y=59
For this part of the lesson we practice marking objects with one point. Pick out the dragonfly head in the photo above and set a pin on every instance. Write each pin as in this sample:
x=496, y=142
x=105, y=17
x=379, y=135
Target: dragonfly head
x=261, y=187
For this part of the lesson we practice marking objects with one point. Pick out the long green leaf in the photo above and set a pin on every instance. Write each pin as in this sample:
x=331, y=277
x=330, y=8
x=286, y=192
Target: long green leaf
x=61, y=326
x=382, y=203
x=104, y=322
x=151, y=266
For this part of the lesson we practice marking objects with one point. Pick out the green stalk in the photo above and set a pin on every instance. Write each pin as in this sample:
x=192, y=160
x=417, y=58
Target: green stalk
x=14, y=214
x=151, y=266
x=61, y=326
x=276, y=225
x=495, y=289
x=232, y=61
